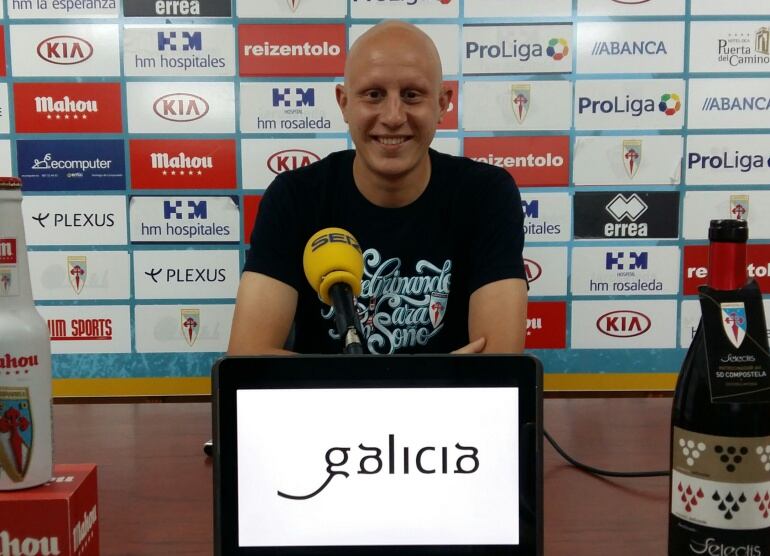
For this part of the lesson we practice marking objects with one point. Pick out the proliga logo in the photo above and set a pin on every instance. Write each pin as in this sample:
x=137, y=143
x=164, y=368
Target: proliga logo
x=670, y=104
x=557, y=48
x=285, y=50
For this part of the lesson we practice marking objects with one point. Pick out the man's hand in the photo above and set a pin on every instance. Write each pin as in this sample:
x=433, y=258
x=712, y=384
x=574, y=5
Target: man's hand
x=476, y=346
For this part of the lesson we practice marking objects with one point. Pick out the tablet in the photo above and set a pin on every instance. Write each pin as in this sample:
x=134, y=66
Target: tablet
x=354, y=455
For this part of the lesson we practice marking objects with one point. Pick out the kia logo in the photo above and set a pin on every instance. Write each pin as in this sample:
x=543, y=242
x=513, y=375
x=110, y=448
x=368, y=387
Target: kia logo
x=181, y=107
x=630, y=1
x=65, y=50
x=290, y=159
x=532, y=270
x=623, y=324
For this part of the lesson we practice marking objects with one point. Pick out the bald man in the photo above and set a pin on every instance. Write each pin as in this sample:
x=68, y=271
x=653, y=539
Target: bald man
x=442, y=236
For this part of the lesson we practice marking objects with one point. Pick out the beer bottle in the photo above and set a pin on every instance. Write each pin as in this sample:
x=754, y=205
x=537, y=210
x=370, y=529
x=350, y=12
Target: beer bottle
x=720, y=439
x=26, y=447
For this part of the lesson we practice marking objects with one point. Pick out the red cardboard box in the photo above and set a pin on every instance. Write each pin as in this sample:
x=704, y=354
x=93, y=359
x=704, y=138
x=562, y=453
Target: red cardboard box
x=58, y=518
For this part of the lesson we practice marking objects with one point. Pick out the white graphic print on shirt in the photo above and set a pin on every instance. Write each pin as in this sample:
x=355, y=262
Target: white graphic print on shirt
x=399, y=311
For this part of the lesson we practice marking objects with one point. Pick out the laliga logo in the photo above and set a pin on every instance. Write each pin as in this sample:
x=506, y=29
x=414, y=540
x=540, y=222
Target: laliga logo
x=371, y=462
x=181, y=107
x=65, y=50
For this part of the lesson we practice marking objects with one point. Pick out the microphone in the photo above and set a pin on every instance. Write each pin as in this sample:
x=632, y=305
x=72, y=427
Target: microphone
x=334, y=267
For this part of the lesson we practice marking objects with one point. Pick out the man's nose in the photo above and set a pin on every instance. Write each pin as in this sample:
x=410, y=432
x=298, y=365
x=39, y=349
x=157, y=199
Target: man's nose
x=394, y=113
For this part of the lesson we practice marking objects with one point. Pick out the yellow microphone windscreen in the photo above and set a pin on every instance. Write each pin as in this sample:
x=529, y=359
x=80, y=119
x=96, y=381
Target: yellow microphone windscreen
x=331, y=256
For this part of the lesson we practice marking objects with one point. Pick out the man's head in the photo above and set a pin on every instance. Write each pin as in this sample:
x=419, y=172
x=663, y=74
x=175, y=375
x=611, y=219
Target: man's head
x=392, y=100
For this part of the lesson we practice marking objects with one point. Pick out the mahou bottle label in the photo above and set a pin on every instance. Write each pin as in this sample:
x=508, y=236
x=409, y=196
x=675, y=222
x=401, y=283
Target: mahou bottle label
x=9, y=284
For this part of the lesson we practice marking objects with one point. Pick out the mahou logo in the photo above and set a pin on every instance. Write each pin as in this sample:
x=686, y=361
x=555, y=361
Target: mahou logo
x=290, y=159
x=546, y=324
x=181, y=107
x=8, y=250
x=67, y=107
x=623, y=324
x=183, y=164
x=28, y=546
x=65, y=50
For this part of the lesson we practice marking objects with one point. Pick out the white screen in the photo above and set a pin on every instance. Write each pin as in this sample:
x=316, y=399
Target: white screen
x=284, y=437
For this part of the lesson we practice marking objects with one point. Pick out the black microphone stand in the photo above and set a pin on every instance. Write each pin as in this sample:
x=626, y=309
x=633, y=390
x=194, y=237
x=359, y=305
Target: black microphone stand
x=346, y=318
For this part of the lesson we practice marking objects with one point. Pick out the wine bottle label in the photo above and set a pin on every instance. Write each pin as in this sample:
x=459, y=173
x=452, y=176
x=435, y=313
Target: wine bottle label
x=721, y=482
x=736, y=344
x=9, y=284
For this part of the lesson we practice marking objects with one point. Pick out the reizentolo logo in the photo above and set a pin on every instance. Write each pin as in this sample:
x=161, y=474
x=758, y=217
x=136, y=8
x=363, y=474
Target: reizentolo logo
x=287, y=50
x=546, y=160
x=710, y=547
x=556, y=48
x=372, y=460
x=668, y=103
x=28, y=546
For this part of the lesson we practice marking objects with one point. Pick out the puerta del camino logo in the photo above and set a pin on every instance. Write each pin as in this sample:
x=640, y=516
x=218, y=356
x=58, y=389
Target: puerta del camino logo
x=426, y=461
x=398, y=311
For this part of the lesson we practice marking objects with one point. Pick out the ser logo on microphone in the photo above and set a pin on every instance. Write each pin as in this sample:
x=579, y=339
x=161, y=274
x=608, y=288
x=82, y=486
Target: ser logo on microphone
x=334, y=238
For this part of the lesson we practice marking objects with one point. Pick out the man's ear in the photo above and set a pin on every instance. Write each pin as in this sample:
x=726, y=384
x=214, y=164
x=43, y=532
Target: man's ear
x=342, y=100
x=444, y=102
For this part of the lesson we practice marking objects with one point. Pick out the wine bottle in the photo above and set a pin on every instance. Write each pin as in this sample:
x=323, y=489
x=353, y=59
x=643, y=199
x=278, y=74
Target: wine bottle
x=720, y=433
x=26, y=450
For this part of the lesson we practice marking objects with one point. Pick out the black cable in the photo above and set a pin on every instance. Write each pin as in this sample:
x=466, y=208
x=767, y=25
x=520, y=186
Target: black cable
x=596, y=470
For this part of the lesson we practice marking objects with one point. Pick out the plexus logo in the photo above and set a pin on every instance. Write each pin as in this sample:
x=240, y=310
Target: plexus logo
x=668, y=103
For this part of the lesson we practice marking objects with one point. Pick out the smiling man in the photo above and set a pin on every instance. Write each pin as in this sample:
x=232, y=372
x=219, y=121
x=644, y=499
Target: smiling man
x=442, y=236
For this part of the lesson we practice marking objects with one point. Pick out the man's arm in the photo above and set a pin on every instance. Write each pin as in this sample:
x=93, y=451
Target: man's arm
x=264, y=312
x=497, y=312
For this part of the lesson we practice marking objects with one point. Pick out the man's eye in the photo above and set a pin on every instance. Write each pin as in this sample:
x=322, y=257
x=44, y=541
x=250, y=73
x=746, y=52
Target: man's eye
x=374, y=95
x=411, y=95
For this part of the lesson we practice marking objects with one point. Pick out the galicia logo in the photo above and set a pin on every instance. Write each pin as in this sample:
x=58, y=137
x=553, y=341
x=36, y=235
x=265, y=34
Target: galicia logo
x=428, y=460
x=291, y=159
x=532, y=270
x=669, y=104
x=623, y=324
x=181, y=107
x=628, y=48
x=65, y=50
x=556, y=49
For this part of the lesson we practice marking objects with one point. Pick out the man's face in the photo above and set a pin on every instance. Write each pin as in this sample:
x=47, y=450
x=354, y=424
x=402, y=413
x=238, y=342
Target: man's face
x=392, y=101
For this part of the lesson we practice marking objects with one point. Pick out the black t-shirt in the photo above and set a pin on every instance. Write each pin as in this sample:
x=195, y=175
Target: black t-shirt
x=421, y=261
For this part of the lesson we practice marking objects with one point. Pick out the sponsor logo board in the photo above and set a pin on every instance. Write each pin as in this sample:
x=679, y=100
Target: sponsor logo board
x=183, y=164
x=727, y=159
x=627, y=215
x=178, y=50
x=546, y=325
x=290, y=107
x=517, y=105
x=630, y=7
x=718, y=7
x=630, y=47
x=532, y=161
x=546, y=270
x=700, y=207
x=547, y=216
x=184, y=220
x=71, y=165
x=176, y=8
x=624, y=104
x=628, y=160
x=445, y=37
x=728, y=104
x=65, y=50
x=293, y=8
x=623, y=324
x=696, y=266
x=264, y=159
x=493, y=8
x=181, y=107
x=186, y=274
x=187, y=328
x=67, y=107
x=88, y=328
x=730, y=46
x=3, y=62
x=6, y=168
x=287, y=50
x=506, y=49
x=79, y=275
x=366, y=9
x=63, y=9
x=625, y=270
x=448, y=145
x=75, y=219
